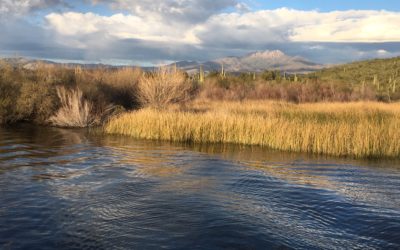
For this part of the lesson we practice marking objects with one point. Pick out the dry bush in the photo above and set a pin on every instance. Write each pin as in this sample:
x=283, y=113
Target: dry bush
x=37, y=102
x=162, y=87
x=75, y=111
x=103, y=86
x=295, y=92
x=121, y=86
x=46, y=73
x=8, y=94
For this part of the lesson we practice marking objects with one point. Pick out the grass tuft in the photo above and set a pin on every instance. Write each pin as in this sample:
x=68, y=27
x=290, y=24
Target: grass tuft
x=75, y=111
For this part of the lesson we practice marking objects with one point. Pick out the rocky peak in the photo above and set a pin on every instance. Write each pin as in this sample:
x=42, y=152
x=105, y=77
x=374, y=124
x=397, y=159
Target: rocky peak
x=267, y=54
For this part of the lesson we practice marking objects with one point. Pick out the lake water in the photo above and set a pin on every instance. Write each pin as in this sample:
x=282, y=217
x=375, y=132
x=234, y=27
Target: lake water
x=70, y=189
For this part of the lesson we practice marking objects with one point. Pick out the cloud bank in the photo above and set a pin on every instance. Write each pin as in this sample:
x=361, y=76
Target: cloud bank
x=188, y=11
x=145, y=30
x=22, y=7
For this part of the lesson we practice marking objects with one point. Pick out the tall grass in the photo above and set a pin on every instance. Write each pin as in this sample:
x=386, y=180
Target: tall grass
x=350, y=129
x=75, y=111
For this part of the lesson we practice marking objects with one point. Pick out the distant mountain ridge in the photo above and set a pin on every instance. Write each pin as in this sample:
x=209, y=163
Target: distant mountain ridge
x=34, y=63
x=255, y=62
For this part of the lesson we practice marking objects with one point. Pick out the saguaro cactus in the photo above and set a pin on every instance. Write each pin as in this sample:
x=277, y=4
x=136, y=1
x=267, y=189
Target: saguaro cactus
x=201, y=74
x=363, y=88
x=78, y=70
x=376, y=81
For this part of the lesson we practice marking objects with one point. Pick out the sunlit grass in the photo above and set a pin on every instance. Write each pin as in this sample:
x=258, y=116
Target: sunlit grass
x=343, y=129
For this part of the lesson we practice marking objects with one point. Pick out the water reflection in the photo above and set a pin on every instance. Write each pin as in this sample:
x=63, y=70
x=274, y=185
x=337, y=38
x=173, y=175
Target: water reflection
x=76, y=189
x=340, y=175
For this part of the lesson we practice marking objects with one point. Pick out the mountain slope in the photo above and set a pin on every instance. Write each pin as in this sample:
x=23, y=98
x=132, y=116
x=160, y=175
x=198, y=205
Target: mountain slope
x=34, y=63
x=255, y=62
x=384, y=71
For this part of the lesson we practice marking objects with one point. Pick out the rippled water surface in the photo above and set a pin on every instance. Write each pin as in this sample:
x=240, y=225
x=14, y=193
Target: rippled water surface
x=70, y=189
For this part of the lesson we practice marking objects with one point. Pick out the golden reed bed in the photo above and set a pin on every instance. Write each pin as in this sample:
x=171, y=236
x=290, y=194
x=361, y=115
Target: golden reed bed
x=343, y=129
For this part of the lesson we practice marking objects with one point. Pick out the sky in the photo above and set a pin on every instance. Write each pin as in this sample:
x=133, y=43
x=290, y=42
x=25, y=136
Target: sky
x=155, y=32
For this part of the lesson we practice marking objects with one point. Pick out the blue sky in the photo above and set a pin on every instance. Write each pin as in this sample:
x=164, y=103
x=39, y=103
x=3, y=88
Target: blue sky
x=322, y=5
x=150, y=32
x=329, y=5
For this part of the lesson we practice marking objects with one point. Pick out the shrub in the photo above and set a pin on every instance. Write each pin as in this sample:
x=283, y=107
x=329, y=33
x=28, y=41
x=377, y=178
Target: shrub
x=75, y=111
x=37, y=102
x=8, y=94
x=103, y=86
x=121, y=86
x=164, y=86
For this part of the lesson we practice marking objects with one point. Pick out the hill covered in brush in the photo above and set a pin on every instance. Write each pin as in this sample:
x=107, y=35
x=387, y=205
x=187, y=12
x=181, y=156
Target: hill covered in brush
x=382, y=73
x=381, y=76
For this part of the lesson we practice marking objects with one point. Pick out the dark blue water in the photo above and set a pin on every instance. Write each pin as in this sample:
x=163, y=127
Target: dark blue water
x=68, y=189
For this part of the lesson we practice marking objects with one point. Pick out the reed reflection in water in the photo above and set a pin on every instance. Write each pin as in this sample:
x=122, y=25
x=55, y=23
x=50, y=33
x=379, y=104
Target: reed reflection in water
x=69, y=189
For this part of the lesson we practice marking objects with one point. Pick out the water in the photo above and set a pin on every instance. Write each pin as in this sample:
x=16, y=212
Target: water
x=69, y=189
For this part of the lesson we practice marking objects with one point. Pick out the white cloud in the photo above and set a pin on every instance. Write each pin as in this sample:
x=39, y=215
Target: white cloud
x=347, y=26
x=287, y=25
x=382, y=52
x=154, y=30
x=22, y=7
x=190, y=11
x=226, y=32
x=74, y=26
x=242, y=7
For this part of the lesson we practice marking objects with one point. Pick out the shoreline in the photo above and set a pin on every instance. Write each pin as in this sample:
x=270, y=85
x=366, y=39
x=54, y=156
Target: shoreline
x=359, y=130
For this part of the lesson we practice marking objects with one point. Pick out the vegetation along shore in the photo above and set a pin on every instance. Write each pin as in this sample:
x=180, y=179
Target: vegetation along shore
x=347, y=110
x=362, y=129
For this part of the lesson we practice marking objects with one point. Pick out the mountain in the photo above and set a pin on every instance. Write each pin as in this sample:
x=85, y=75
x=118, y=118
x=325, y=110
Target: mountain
x=32, y=64
x=24, y=62
x=254, y=62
